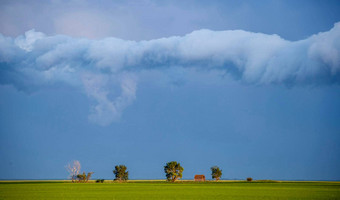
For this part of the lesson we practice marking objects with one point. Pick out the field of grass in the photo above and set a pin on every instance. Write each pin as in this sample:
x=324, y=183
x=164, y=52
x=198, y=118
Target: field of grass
x=164, y=190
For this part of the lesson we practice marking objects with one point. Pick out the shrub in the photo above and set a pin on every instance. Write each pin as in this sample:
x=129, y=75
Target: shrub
x=249, y=179
x=100, y=181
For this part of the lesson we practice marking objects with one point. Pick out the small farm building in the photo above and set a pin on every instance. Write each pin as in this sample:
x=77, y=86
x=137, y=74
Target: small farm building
x=199, y=178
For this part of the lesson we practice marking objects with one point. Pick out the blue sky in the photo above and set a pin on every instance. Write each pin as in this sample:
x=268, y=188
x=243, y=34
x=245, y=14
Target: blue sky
x=252, y=87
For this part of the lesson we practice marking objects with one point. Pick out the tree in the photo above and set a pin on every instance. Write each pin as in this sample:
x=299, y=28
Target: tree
x=89, y=176
x=173, y=171
x=73, y=168
x=121, y=173
x=216, y=173
x=83, y=177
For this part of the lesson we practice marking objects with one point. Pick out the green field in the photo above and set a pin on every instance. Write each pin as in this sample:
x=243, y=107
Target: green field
x=164, y=190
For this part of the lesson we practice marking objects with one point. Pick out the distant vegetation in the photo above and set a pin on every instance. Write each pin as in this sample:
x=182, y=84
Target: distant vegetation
x=83, y=177
x=216, y=173
x=173, y=171
x=120, y=173
x=74, y=168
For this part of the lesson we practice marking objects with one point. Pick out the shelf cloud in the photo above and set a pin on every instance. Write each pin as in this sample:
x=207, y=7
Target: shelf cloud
x=35, y=60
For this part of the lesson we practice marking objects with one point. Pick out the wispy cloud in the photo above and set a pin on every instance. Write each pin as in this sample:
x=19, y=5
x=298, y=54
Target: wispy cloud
x=106, y=110
x=35, y=60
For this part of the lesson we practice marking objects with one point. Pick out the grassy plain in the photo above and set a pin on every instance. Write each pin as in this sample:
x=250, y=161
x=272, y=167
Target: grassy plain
x=163, y=190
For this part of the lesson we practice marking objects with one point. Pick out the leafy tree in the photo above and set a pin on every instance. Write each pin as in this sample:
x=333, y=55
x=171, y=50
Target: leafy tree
x=121, y=173
x=83, y=177
x=173, y=171
x=216, y=173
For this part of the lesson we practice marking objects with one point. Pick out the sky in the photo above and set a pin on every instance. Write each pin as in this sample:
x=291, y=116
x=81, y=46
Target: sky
x=250, y=86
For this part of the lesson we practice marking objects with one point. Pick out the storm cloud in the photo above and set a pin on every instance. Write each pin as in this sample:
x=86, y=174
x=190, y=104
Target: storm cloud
x=35, y=60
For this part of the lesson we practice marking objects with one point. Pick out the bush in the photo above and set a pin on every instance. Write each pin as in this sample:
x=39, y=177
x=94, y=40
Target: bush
x=249, y=179
x=100, y=181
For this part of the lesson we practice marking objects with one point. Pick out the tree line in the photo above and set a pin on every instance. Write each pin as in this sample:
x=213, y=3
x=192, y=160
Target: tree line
x=173, y=171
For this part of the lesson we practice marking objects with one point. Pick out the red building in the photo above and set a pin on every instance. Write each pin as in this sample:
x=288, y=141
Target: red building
x=199, y=178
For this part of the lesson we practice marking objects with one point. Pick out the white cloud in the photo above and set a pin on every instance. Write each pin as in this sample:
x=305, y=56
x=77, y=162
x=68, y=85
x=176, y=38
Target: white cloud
x=98, y=65
x=28, y=40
